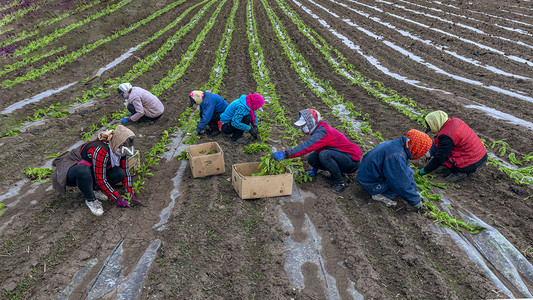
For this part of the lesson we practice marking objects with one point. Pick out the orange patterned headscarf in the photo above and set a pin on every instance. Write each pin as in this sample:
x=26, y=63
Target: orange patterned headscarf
x=419, y=143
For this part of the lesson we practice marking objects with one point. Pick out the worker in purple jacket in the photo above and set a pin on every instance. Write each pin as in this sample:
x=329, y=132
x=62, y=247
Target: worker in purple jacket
x=142, y=105
x=329, y=149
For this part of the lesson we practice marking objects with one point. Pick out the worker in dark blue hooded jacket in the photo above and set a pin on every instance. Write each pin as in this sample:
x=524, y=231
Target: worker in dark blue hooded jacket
x=211, y=107
x=384, y=172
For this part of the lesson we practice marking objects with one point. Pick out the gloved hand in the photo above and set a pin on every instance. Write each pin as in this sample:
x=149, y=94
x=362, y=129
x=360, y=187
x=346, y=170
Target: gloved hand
x=422, y=172
x=278, y=155
x=121, y=202
x=126, y=120
x=199, y=133
x=313, y=172
x=254, y=131
x=133, y=198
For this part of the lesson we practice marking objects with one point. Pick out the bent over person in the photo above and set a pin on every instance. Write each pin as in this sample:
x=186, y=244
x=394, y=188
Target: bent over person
x=384, y=172
x=96, y=166
x=456, y=146
x=211, y=107
x=329, y=149
x=142, y=105
x=240, y=116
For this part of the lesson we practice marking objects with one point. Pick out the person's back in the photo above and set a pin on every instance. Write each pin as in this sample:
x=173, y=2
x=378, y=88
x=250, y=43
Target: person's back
x=230, y=110
x=151, y=105
x=379, y=163
x=219, y=103
x=468, y=147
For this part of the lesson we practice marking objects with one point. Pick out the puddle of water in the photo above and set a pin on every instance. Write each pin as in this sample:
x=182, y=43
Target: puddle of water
x=297, y=254
x=35, y=98
x=502, y=255
x=65, y=294
x=491, y=246
x=502, y=116
x=110, y=277
x=174, y=194
x=118, y=60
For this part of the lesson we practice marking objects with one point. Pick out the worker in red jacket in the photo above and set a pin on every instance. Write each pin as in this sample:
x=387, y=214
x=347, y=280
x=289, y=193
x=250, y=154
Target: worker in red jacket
x=96, y=166
x=329, y=149
x=456, y=146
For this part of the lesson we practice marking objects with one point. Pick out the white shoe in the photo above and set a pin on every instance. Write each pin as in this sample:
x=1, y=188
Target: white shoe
x=386, y=200
x=95, y=207
x=100, y=195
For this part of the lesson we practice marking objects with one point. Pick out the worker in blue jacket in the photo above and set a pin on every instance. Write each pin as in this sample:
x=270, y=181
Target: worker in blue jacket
x=384, y=171
x=240, y=116
x=211, y=107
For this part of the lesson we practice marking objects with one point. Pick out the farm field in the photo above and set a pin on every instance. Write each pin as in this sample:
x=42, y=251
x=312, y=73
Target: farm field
x=372, y=68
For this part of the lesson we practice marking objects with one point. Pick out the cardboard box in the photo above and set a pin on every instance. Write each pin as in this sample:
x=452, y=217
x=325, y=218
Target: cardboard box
x=252, y=187
x=203, y=164
x=134, y=162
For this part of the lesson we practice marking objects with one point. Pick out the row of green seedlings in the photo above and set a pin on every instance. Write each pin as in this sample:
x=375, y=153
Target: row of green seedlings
x=189, y=118
x=339, y=62
x=46, y=40
x=277, y=114
x=376, y=88
x=299, y=64
x=10, y=5
x=101, y=92
x=153, y=156
x=15, y=16
x=441, y=217
x=35, y=30
x=76, y=54
x=320, y=88
x=523, y=175
x=69, y=58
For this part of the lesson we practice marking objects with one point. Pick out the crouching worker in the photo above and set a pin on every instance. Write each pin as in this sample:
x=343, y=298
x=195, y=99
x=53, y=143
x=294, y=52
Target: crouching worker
x=97, y=165
x=456, y=146
x=211, y=107
x=329, y=149
x=240, y=116
x=385, y=173
x=142, y=105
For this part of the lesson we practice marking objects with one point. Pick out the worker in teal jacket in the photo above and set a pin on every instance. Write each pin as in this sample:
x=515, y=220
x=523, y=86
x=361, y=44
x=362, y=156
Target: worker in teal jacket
x=240, y=116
